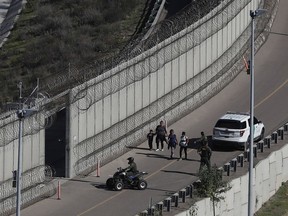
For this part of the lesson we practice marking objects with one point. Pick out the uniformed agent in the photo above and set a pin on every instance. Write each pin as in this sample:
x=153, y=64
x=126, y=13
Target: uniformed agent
x=132, y=168
x=203, y=139
x=205, y=153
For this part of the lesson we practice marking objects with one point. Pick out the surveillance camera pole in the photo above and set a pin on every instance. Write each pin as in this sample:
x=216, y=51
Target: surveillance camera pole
x=253, y=15
x=21, y=113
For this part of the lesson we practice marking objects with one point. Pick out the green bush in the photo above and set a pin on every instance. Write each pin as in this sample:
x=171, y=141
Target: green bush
x=50, y=34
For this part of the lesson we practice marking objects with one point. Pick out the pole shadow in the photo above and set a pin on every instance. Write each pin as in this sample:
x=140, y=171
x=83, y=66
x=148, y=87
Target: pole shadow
x=154, y=155
x=180, y=172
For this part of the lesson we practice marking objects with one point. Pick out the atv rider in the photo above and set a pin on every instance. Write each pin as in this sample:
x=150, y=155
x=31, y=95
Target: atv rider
x=131, y=169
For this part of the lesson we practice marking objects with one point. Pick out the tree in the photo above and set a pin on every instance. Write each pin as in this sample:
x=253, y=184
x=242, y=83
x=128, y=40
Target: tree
x=211, y=185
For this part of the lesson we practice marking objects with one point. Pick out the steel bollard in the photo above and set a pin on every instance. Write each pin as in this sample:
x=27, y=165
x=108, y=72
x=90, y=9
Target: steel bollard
x=167, y=204
x=182, y=194
x=280, y=133
x=187, y=190
x=241, y=160
x=286, y=127
x=144, y=213
x=246, y=154
x=191, y=191
x=159, y=207
x=227, y=168
x=267, y=141
x=255, y=151
x=260, y=145
x=175, y=199
x=233, y=163
x=151, y=211
x=220, y=172
x=275, y=137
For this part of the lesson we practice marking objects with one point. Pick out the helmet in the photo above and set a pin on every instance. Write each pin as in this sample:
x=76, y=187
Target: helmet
x=130, y=159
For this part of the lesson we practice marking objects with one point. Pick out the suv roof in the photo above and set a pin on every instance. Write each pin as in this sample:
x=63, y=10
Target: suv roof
x=238, y=116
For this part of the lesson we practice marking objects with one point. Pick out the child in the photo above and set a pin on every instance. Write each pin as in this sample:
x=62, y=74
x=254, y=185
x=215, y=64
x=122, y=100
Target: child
x=172, y=142
x=150, y=137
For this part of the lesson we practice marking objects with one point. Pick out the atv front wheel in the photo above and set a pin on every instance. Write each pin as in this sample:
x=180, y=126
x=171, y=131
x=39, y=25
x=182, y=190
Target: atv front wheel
x=118, y=185
x=109, y=183
x=142, y=185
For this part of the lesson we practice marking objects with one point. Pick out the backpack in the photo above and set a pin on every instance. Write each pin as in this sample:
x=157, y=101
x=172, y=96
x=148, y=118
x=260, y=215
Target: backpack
x=183, y=141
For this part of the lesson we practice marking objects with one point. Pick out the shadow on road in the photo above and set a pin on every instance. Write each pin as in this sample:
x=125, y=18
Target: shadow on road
x=167, y=192
x=135, y=147
x=180, y=172
x=155, y=155
x=100, y=186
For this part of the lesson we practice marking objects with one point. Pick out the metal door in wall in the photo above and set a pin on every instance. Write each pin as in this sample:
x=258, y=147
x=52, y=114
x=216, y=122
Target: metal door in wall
x=55, y=144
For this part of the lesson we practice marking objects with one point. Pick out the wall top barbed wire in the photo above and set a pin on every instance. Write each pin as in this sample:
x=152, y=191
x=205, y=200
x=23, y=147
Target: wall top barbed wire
x=73, y=76
x=213, y=23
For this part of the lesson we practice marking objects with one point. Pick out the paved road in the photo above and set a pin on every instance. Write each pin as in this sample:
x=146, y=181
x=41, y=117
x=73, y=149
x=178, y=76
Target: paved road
x=85, y=196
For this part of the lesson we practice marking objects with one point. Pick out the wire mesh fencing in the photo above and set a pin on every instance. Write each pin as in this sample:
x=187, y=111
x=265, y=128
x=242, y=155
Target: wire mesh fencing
x=36, y=185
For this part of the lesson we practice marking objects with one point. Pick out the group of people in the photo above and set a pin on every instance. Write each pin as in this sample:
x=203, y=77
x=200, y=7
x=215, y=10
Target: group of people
x=171, y=139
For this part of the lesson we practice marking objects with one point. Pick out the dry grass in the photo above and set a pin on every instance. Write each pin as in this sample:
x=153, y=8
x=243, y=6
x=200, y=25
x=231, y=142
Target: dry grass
x=277, y=205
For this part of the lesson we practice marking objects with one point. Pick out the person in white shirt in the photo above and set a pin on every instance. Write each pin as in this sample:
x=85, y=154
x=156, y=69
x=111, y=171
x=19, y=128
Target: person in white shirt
x=183, y=143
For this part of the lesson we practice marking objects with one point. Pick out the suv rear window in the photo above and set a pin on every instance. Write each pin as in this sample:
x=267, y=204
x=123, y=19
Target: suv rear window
x=231, y=124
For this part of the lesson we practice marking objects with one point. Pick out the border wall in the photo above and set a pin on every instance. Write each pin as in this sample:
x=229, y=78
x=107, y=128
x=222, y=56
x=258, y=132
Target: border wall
x=116, y=109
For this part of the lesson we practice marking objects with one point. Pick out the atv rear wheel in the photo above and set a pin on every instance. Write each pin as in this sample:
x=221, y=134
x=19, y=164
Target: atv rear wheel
x=142, y=185
x=118, y=186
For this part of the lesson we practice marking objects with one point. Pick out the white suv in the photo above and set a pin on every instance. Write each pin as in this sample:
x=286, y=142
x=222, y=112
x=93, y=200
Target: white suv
x=233, y=130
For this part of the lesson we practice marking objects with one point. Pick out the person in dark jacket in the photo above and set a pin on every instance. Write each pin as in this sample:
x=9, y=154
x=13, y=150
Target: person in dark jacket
x=161, y=135
x=205, y=153
x=131, y=169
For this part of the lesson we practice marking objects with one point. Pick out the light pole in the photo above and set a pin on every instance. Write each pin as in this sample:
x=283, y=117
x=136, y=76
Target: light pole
x=21, y=113
x=253, y=15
